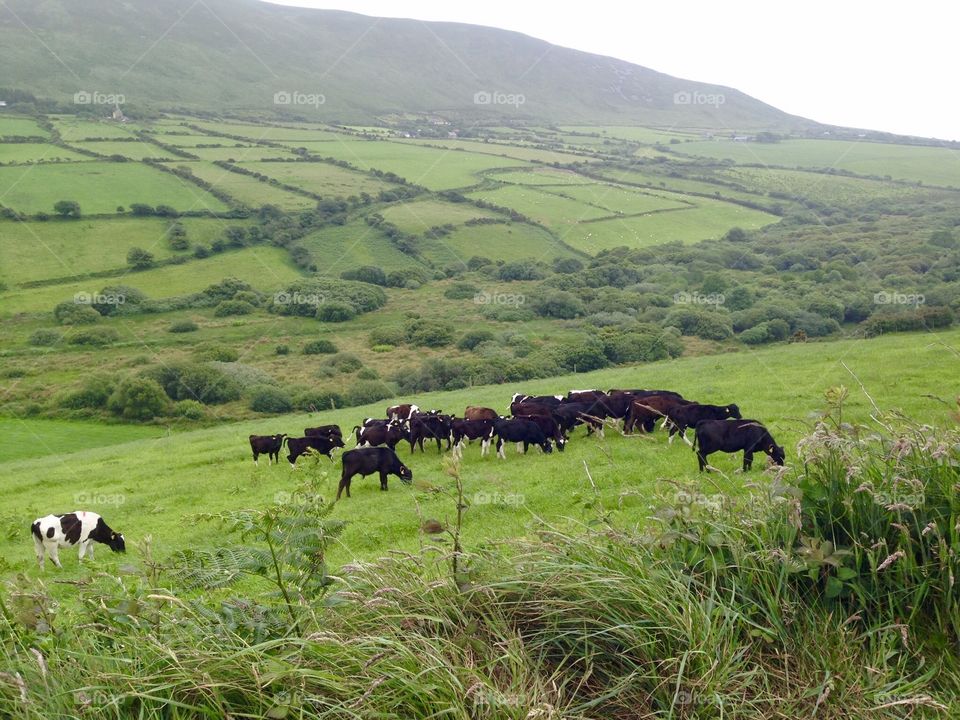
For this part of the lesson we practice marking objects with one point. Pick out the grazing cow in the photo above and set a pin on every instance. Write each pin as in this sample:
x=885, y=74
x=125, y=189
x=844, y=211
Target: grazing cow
x=299, y=446
x=466, y=429
x=53, y=532
x=429, y=426
x=584, y=396
x=401, y=412
x=569, y=415
x=518, y=400
x=520, y=430
x=684, y=416
x=269, y=445
x=732, y=436
x=366, y=461
x=368, y=422
x=389, y=435
x=327, y=431
x=645, y=411
x=480, y=413
x=646, y=393
x=550, y=427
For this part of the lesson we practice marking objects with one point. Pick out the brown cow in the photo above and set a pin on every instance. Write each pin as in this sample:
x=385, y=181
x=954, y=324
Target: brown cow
x=645, y=411
x=401, y=412
x=474, y=412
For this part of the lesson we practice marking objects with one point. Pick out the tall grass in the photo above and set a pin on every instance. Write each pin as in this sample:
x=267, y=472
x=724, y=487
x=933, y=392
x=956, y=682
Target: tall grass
x=827, y=592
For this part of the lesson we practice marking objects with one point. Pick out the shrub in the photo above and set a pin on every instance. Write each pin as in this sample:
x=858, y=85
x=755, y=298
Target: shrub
x=641, y=347
x=335, y=312
x=363, y=297
x=183, y=326
x=363, y=392
x=345, y=362
x=72, y=313
x=383, y=348
x=386, y=336
x=270, y=399
x=471, y=339
x=507, y=313
x=228, y=308
x=314, y=400
x=429, y=333
x=138, y=398
x=45, y=337
x=366, y=273
x=367, y=374
x=193, y=381
x=282, y=350
x=94, y=393
x=189, y=410
x=557, y=304
x=461, y=291
x=139, y=259
x=581, y=356
x=919, y=319
x=521, y=270
x=219, y=353
x=96, y=337
x=319, y=347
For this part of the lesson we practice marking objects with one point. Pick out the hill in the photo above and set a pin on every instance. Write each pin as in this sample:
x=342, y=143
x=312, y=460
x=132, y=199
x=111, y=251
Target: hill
x=237, y=54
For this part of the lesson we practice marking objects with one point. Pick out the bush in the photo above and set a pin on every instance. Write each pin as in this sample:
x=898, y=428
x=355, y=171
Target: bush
x=507, y=313
x=270, y=399
x=319, y=347
x=461, y=291
x=557, y=304
x=471, y=339
x=138, y=398
x=345, y=362
x=429, y=333
x=924, y=318
x=228, y=308
x=335, y=312
x=282, y=350
x=94, y=393
x=139, y=259
x=641, y=347
x=367, y=374
x=193, y=381
x=386, y=336
x=183, y=326
x=521, y=270
x=116, y=299
x=581, y=356
x=189, y=410
x=219, y=353
x=72, y=313
x=97, y=337
x=362, y=297
x=366, y=273
x=45, y=337
x=364, y=392
x=316, y=400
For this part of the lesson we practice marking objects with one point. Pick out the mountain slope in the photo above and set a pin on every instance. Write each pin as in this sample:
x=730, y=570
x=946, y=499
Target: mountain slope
x=237, y=54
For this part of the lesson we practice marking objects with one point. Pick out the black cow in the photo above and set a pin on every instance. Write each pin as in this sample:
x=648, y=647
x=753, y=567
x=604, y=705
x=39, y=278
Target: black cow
x=429, y=426
x=569, y=415
x=550, y=427
x=644, y=393
x=269, y=445
x=549, y=400
x=369, y=422
x=584, y=396
x=520, y=431
x=684, y=416
x=366, y=461
x=732, y=436
x=389, y=435
x=464, y=429
x=299, y=446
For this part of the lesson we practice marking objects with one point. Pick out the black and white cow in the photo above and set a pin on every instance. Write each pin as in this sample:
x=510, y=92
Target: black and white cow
x=402, y=412
x=389, y=435
x=368, y=422
x=518, y=400
x=327, y=431
x=299, y=446
x=569, y=415
x=367, y=461
x=732, y=436
x=463, y=429
x=81, y=528
x=269, y=445
x=520, y=430
x=432, y=425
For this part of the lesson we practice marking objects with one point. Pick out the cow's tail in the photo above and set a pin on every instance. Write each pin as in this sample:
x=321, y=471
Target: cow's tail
x=35, y=529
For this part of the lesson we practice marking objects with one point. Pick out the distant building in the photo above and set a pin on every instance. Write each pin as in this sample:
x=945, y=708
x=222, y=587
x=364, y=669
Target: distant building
x=742, y=138
x=3, y=103
x=452, y=134
x=117, y=114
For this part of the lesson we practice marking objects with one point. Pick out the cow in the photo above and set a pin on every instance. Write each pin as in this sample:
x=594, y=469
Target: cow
x=732, y=436
x=299, y=446
x=429, y=426
x=550, y=427
x=569, y=415
x=269, y=445
x=81, y=528
x=638, y=392
x=389, y=435
x=480, y=413
x=466, y=429
x=584, y=396
x=401, y=412
x=327, y=431
x=646, y=410
x=368, y=422
x=684, y=416
x=366, y=461
x=519, y=400
x=520, y=431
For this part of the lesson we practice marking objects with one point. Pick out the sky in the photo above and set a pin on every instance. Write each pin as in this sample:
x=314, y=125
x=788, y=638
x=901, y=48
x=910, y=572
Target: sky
x=878, y=65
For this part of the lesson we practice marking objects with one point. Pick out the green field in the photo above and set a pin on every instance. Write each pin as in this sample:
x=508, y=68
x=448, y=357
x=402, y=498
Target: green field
x=20, y=127
x=73, y=129
x=319, y=177
x=163, y=481
x=265, y=268
x=99, y=187
x=44, y=250
x=246, y=189
x=191, y=141
x=30, y=438
x=338, y=248
x=542, y=176
x=513, y=241
x=819, y=186
x=239, y=154
x=934, y=166
x=646, y=135
x=35, y=152
x=420, y=215
x=135, y=150
x=517, y=152
x=622, y=200
x=271, y=133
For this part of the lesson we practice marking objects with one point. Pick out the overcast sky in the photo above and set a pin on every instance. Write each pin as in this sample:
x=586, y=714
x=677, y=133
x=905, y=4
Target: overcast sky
x=877, y=65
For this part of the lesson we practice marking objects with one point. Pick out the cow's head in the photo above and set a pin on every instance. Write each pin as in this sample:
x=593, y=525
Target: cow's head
x=337, y=441
x=734, y=412
x=548, y=447
x=777, y=453
x=560, y=444
x=116, y=542
x=405, y=474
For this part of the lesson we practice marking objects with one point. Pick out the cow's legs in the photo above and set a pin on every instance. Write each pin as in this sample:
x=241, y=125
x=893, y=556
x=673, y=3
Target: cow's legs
x=38, y=546
x=702, y=459
x=500, y=453
x=344, y=485
x=383, y=481
x=484, y=447
x=747, y=460
x=521, y=445
x=54, y=552
x=88, y=546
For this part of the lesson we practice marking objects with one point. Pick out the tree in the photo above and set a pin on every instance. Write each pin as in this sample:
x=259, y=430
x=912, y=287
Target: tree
x=138, y=398
x=67, y=208
x=139, y=259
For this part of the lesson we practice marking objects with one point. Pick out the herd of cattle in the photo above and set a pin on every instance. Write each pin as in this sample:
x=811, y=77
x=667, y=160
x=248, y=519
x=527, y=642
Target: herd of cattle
x=541, y=420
